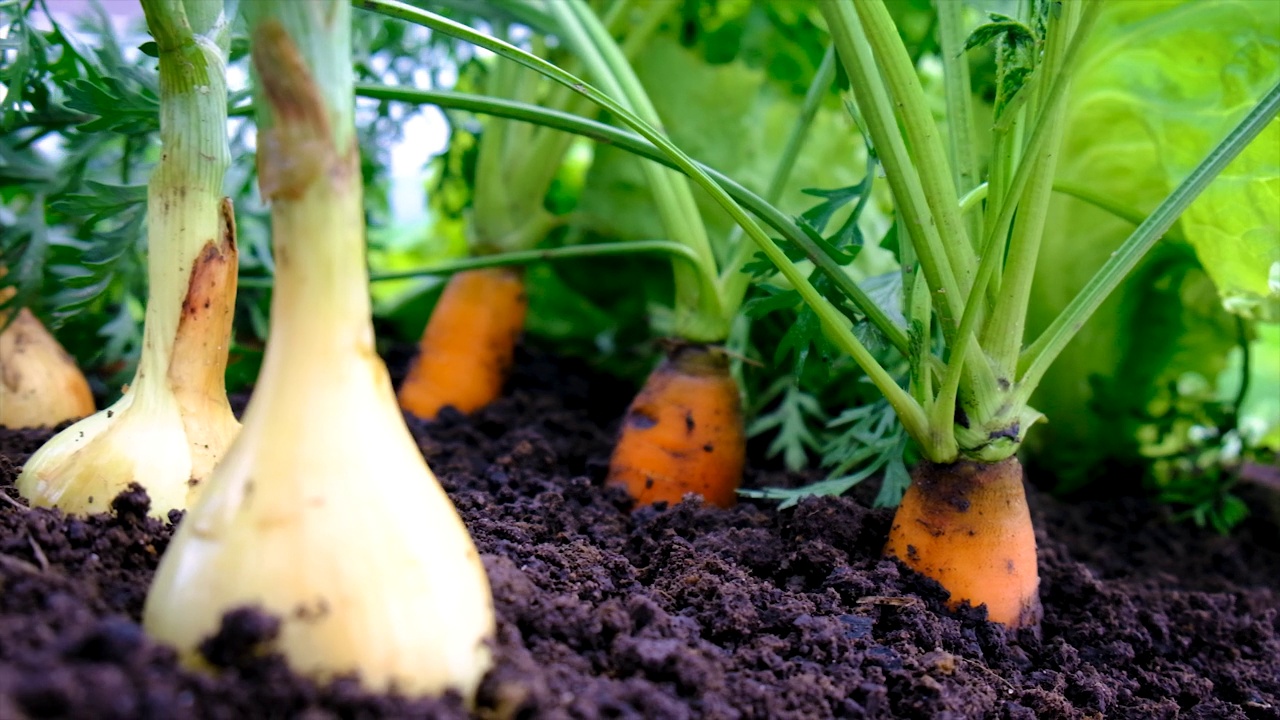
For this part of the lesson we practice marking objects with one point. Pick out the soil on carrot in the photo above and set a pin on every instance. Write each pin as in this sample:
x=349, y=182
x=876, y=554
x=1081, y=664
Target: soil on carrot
x=675, y=612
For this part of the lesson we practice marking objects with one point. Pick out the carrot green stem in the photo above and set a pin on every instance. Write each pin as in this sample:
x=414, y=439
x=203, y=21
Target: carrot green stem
x=518, y=161
x=1002, y=338
x=988, y=400
x=955, y=70
x=698, y=316
x=908, y=190
x=1000, y=168
x=993, y=248
x=521, y=257
x=524, y=12
x=501, y=201
x=903, y=83
x=970, y=200
x=1080, y=192
x=637, y=145
x=1124, y=212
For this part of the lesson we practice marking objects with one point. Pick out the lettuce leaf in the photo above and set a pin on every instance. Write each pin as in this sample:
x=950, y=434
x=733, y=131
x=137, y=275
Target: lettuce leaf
x=1162, y=82
x=1192, y=70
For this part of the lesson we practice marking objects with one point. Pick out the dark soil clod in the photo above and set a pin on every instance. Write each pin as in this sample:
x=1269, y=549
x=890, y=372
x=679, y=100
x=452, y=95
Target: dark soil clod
x=244, y=635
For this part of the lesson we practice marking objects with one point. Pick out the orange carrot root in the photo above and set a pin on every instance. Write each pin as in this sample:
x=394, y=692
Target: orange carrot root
x=966, y=525
x=468, y=346
x=683, y=433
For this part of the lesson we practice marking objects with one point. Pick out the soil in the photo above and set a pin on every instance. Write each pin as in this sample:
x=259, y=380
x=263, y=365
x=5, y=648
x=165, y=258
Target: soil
x=675, y=612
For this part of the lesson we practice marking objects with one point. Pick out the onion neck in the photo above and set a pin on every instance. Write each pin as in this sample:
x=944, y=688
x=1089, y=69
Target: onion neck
x=309, y=169
x=322, y=309
x=184, y=196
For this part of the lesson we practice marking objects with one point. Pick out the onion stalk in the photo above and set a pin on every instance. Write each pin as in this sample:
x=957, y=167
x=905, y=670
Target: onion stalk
x=173, y=422
x=324, y=512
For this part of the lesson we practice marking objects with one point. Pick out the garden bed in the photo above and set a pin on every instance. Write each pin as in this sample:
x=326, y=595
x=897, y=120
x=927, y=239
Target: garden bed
x=677, y=612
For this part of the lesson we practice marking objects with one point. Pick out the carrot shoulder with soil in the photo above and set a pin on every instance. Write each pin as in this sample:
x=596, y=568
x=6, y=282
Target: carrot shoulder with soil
x=683, y=432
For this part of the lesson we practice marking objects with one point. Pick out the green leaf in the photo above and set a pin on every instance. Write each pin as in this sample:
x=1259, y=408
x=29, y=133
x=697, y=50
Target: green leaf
x=1183, y=105
x=848, y=235
x=1001, y=27
x=1229, y=512
x=102, y=201
x=885, y=290
x=773, y=300
x=896, y=478
x=128, y=103
x=1142, y=111
x=24, y=246
x=1016, y=53
x=866, y=439
x=803, y=333
x=749, y=32
x=792, y=419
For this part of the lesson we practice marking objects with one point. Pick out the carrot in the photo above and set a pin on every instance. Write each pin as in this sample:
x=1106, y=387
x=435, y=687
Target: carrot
x=966, y=525
x=468, y=345
x=683, y=432
x=40, y=385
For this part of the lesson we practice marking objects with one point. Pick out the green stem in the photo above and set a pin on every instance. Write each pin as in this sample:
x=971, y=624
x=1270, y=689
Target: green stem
x=922, y=135
x=521, y=11
x=520, y=257
x=1054, y=339
x=494, y=215
x=993, y=245
x=908, y=192
x=955, y=71
x=1086, y=194
x=920, y=312
x=1000, y=168
x=839, y=330
x=698, y=316
x=1002, y=339
x=986, y=399
x=1246, y=373
x=532, y=157
x=734, y=282
x=971, y=199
